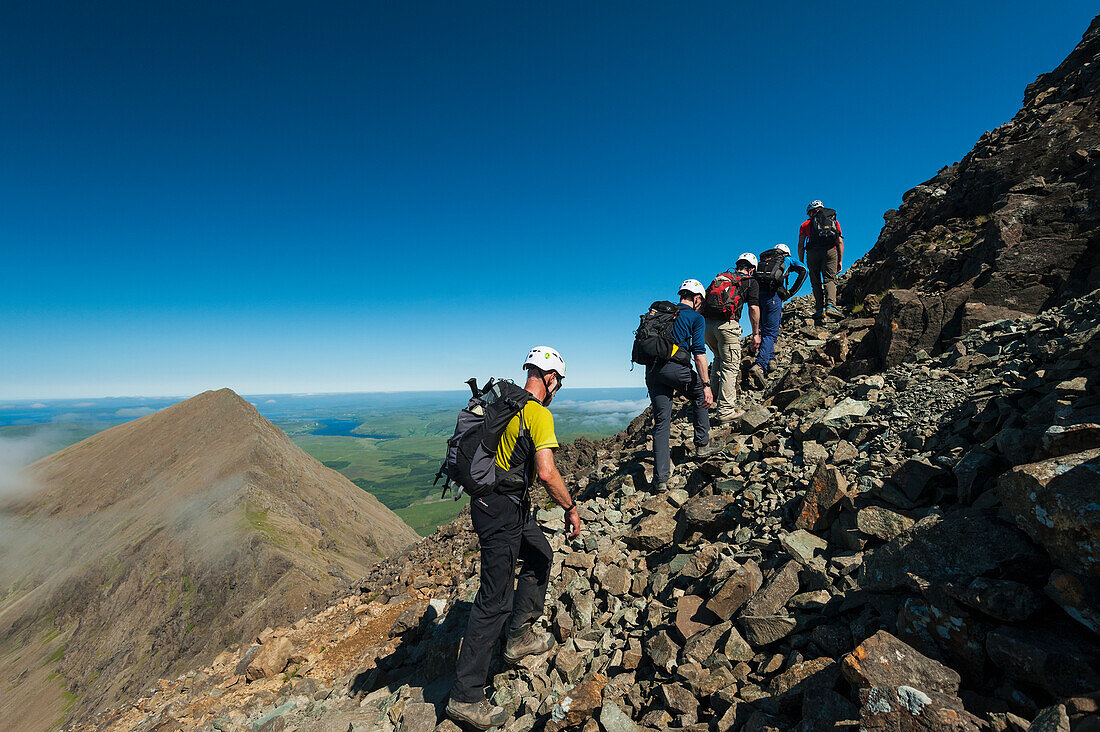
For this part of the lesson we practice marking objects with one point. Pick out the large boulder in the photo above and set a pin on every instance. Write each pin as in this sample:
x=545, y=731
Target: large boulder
x=884, y=660
x=1057, y=502
x=964, y=544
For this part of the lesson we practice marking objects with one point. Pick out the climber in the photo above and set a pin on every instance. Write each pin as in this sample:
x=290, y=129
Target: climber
x=771, y=275
x=821, y=247
x=725, y=301
x=669, y=377
x=507, y=532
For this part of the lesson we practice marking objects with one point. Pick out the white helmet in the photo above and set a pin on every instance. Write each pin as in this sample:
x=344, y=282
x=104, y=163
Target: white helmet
x=546, y=358
x=695, y=287
x=748, y=257
x=813, y=205
x=784, y=248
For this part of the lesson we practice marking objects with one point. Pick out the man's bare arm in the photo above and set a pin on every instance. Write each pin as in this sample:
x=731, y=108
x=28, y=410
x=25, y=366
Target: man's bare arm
x=548, y=474
x=839, y=254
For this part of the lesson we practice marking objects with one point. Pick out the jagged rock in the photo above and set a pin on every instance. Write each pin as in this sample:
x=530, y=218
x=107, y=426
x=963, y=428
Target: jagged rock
x=753, y=418
x=617, y=581
x=709, y=514
x=662, y=651
x=407, y=620
x=687, y=611
x=271, y=658
x=1001, y=599
x=801, y=545
x=736, y=648
x=1078, y=596
x=613, y=719
x=883, y=660
x=820, y=504
x=776, y=592
x=944, y=632
x=1057, y=662
x=892, y=708
x=822, y=709
x=813, y=453
x=585, y=698
x=1051, y=719
x=653, y=532
x=882, y=522
x=735, y=591
x=970, y=468
x=846, y=410
x=700, y=646
x=789, y=687
x=914, y=477
x=678, y=699
x=760, y=631
x=418, y=717
x=965, y=543
x=1055, y=502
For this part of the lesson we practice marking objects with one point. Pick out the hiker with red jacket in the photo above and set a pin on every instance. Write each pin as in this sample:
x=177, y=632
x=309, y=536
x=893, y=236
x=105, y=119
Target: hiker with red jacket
x=821, y=247
x=725, y=301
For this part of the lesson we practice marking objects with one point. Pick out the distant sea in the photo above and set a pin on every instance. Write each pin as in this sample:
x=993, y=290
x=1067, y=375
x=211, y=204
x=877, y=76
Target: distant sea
x=600, y=409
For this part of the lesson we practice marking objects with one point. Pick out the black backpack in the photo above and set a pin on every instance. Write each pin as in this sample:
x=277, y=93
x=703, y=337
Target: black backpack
x=653, y=342
x=772, y=268
x=824, y=232
x=470, y=464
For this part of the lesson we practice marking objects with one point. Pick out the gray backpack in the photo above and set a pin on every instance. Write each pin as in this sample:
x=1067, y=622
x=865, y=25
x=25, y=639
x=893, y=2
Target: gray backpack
x=470, y=464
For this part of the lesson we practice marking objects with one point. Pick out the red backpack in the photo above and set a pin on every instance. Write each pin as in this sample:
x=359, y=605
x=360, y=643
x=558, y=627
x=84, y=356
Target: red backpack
x=723, y=299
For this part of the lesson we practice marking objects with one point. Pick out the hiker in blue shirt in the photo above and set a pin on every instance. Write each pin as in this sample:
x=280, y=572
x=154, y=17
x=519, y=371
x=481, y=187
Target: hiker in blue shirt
x=666, y=378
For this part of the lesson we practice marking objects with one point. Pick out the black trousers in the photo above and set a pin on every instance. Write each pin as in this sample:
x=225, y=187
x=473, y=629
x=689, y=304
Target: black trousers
x=664, y=382
x=508, y=532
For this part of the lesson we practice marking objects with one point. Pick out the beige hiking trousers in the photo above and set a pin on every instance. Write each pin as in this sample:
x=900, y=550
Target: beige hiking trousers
x=822, y=266
x=723, y=337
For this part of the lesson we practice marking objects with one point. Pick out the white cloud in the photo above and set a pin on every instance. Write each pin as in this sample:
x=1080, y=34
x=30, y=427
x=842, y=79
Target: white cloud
x=134, y=412
x=84, y=405
x=605, y=406
x=270, y=401
x=37, y=405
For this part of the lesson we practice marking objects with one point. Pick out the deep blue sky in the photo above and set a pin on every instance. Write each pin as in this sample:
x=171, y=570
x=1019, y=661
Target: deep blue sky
x=319, y=197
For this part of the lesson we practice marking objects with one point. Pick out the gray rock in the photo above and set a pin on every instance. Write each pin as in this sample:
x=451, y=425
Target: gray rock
x=1051, y=719
x=882, y=522
x=965, y=543
x=614, y=719
x=736, y=590
x=847, y=410
x=801, y=545
x=776, y=592
x=418, y=717
x=1055, y=502
x=760, y=631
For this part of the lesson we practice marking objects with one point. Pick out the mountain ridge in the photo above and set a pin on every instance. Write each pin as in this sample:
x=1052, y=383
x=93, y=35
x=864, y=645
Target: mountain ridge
x=153, y=544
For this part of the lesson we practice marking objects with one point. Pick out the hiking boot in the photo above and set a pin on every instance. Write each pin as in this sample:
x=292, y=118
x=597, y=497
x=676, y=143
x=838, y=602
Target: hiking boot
x=662, y=486
x=708, y=449
x=527, y=643
x=833, y=312
x=482, y=714
x=758, y=376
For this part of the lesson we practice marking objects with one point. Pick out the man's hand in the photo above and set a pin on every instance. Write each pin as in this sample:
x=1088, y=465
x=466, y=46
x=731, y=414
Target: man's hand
x=573, y=520
x=839, y=266
x=756, y=341
x=708, y=397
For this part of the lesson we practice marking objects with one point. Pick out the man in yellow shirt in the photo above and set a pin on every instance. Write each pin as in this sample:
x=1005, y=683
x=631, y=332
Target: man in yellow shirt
x=507, y=531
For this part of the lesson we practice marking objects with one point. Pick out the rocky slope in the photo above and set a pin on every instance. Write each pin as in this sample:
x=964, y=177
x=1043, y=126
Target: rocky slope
x=917, y=549
x=152, y=546
x=908, y=548
x=1011, y=229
